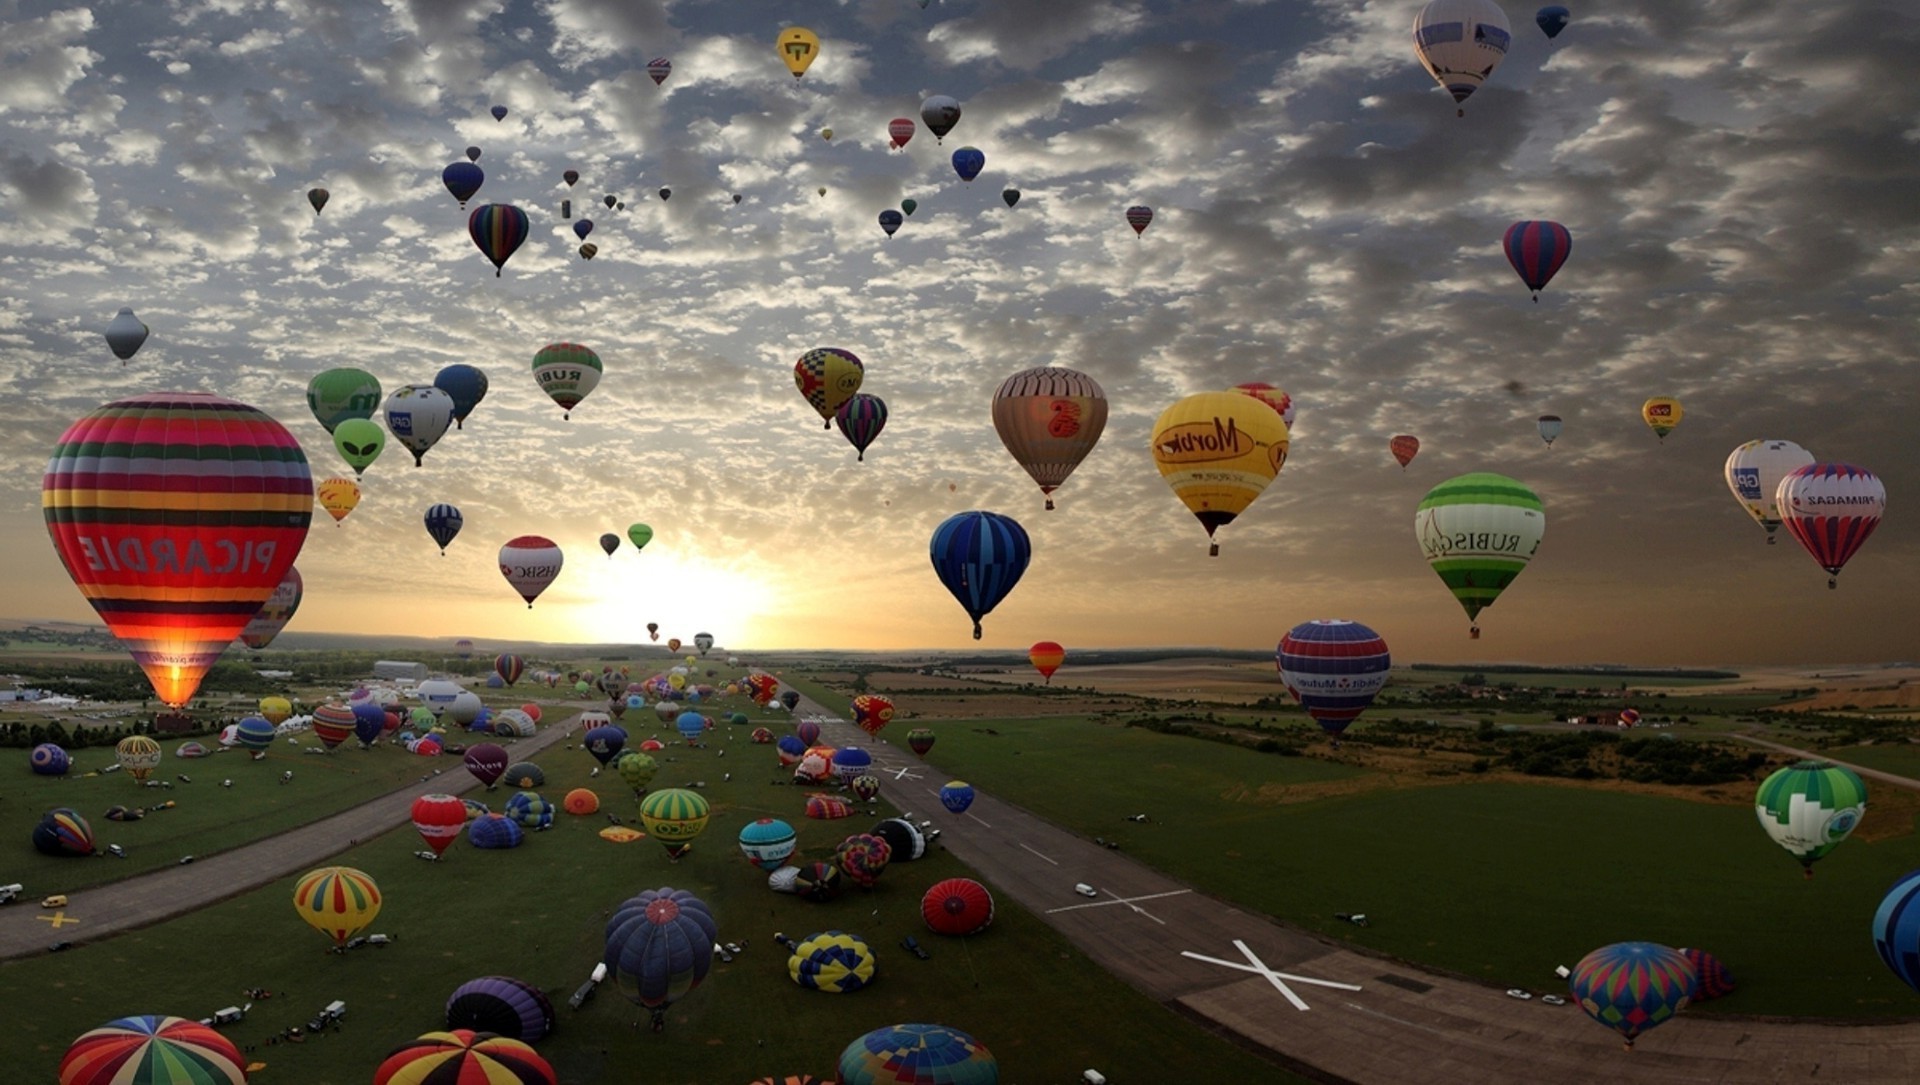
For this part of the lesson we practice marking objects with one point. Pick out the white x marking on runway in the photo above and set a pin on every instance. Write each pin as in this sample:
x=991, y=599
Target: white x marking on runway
x=1259, y=967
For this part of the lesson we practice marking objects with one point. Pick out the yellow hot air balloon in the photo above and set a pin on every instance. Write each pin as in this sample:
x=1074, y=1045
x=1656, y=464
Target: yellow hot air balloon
x=338, y=496
x=1662, y=413
x=139, y=755
x=797, y=46
x=337, y=901
x=275, y=710
x=826, y=133
x=1218, y=450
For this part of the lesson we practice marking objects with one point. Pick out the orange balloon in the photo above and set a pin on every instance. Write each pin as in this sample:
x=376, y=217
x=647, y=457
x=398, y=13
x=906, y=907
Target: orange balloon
x=581, y=801
x=1046, y=658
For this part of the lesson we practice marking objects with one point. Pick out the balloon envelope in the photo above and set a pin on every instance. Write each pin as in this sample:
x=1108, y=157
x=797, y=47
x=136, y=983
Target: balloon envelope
x=1461, y=42
x=1478, y=531
x=337, y=901
x=1536, y=250
x=567, y=372
x=126, y=332
x=1810, y=807
x=503, y=1006
x=1552, y=19
x=659, y=946
x=497, y=230
x=1049, y=418
x=530, y=563
x=463, y=1055
x=1632, y=986
x=968, y=162
x=979, y=557
x=274, y=614
x=911, y=1054
x=466, y=385
x=828, y=377
x=1218, y=451
x=1831, y=509
x=939, y=113
x=152, y=1049
x=1404, y=447
x=1754, y=472
x=418, y=416
x=798, y=47
x=1334, y=668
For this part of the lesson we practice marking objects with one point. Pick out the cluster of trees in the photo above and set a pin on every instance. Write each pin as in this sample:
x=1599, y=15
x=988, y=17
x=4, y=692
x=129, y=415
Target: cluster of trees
x=22, y=736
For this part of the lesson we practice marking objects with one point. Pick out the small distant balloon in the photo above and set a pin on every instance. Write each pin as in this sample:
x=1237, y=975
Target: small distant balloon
x=125, y=334
x=473, y=154
x=318, y=198
x=1011, y=195
x=499, y=113
x=658, y=69
x=1550, y=426
x=588, y=249
x=1552, y=19
x=890, y=221
x=939, y=113
x=1405, y=447
x=609, y=542
x=900, y=130
x=463, y=179
x=909, y=205
x=582, y=228
x=1139, y=218
x=571, y=177
x=666, y=194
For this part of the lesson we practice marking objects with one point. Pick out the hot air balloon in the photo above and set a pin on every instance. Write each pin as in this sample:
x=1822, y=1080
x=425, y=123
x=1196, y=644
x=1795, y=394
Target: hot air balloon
x=674, y=817
x=502, y=1006
x=125, y=332
x=610, y=201
x=920, y=740
x=957, y=906
x=826, y=134
x=509, y=667
x=255, y=734
x=369, y=719
x=848, y=762
x=609, y=542
x=333, y=723
x=152, y=1049
x=1277, y=398
x=318, y=198
x=658, y=69
x=495, y=832
x=1460, y=43
x=831, y=961
x=703, y=642
x=580, y=802
x=822, y=807
x=798, y=47
x=473, y=154
x=582, y=228
x=1139, y=217
x=137, y=754
x=337, y=901
x=861, y=418
x=1809, y=807
x=1831, y=508
x=1478, y=532
x=1549, y=428
x=827, y=377
x=463, y=179
x=871, y=713
x=673, y=644
x=1334, y=668
x=63, y=833
x=862, y=858
x=1405, y=447
x=177, y=589
x=497, y=229
x=418, y=416
x=1049, y=419
x=443, y=523
x=640, y=535
x=275, y=613
x=912, y=1054
x=462, y=1055
x=691, y=726
x=767, y=842
x=530, y=563
x=466, y=385
x=906, y=839
x=808, y=732
x=1896, y=929
x=1552, y=19
x=571, y=177
x=979, y=557
x=909, y=205
x=568, y=372
x=1218, y=451
x=636, y=770
x=956, y=795
x=359, y=442
x=604, y=742
x=1715, y=980
x=339, y=394
x=499, y=113
x=339, y=496
x=439, y=819
x=659, y=946
x=890, y=221
x=1010, y=195
x=530, y=809
x=1661, y=414
x=968, y=162
x=666, y=194
x=48, y=759
x=1754, y=472
x=589, y=250
x=1632, y=986
x=1046, y=657
x=939, y=113
x=1536, y=250
x=901, y=129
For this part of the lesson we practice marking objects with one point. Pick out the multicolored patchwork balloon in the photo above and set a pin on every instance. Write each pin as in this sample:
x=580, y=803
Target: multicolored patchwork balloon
x=1632, y=986
x=827, y=377
x=337, y=901
x=152, y=1048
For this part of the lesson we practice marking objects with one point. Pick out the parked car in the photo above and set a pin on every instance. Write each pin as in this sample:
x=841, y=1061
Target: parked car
x=58, y=900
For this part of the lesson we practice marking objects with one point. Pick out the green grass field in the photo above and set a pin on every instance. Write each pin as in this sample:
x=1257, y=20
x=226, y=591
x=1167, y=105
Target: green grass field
x=538, y=912
x=1500, y=881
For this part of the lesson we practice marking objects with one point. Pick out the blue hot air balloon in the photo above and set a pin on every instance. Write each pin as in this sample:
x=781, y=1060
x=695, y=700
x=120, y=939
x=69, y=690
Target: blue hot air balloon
x=691, y=726
x=1632, y=986
x=369, y=719
x=980, y=556
x=499, y=113
x=659, y=946
x=443, y=523
x=956, y=795
x=890, y=221
x=605, y=742
x=582, y=227
x=967, y=162
x=463, y=179
x=1896, y=929
x=1552, y=19
x=466, y=385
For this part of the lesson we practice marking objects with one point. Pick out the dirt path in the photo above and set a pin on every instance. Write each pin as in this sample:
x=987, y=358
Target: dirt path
x=170, y=891
x=1402, y=1025
x=1877, y=774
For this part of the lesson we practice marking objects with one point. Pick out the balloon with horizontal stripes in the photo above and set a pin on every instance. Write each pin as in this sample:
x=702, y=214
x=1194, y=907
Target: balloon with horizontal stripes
x=275, y=613
x=1478, y=531
x=1334, y=668
x=177, y=514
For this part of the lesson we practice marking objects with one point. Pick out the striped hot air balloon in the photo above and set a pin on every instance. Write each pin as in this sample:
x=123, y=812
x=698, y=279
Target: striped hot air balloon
x=674, y=816
x=1479, y=531
x=979, y=557
x=861, y=419
x=1334, y=668
x=1405, y=447
x=1896, y=929
x=1536, y=250
x=1046, y=657
x=1632, y=986
x=568, y=373
x=439, y=819
x=497, y=230
x=914, y=1054
x=462, y=1055
x=1831, y=509
x=337, y=901
x=1810, y=807
x=177, y=514
x=333, y=723
x=1049, y=419
x=152, y=1048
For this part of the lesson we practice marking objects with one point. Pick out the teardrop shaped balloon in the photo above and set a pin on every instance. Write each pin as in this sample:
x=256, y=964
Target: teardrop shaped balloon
x=979, y=557
x=826, y=134
x=1046, y=657
x=828, y=377
x=1552, y=19
x=463, y=179
x=589, y=250
x=359, y=442
x=1632, y=986
x=939, y=113
x=339, y=496
x=571, y=177
x=1460, y=43
x=125, y=333
x=1810, y=807
x=1661, y=414
x=1831, y=508
x=1334, y=668
x=530, y=563
x=609, y=542
x=177, y=515
x=275, y=613
x=499, y=113
x=1754, y=471
x=582, y=228
x=497, y=229
x=1536, y=250
x=1479, y=531
x=318, y=198
x=1218, y=451
x=861, y=419
x=418, y=416
x=466, y=385
x=640, y=535
x=610, y=201
x=798, y=47
x=1405, y=447
x=339, y=394
x=890, y=221
x=658, y=69
x=909, y=205
x=666, y=194
x=473, y=154
x=968, y=162
x=900, y=130
x=1139, y=217
x=443, y=524
x=1011, y=196
x=567, y=372
x=1550, y=426
x=1049, y=418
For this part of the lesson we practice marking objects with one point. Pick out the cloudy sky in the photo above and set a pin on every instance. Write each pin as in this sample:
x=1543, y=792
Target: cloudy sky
x=1741, y=179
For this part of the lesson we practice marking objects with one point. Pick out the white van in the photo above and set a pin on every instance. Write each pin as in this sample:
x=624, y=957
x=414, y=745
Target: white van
x=11, y=893
x=1084, y=889
x=1093, y=1077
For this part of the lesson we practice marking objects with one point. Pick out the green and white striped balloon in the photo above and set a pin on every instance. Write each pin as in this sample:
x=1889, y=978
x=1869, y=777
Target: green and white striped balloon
x=1478, y=531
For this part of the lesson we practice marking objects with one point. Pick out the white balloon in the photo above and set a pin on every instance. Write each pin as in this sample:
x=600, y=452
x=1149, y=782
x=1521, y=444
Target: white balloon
x=1461, y=42
x=1754, y=471
x=418, y=415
